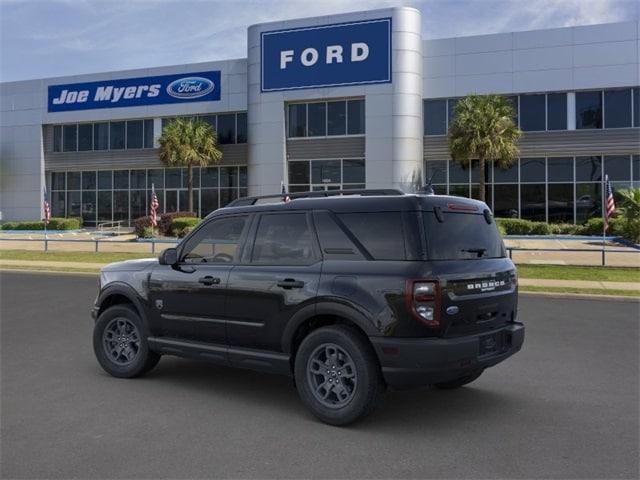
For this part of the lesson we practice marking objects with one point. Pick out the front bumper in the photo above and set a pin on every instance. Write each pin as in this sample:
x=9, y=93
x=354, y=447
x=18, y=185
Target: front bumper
x=413, y=362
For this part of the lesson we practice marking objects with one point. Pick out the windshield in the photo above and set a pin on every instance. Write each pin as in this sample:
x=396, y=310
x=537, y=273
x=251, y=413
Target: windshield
x=462, y=236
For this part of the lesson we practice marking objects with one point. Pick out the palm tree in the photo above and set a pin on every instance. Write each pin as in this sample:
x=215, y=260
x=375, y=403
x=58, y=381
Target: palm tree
x=189, y=143
x=484, y=129
x=630, y=212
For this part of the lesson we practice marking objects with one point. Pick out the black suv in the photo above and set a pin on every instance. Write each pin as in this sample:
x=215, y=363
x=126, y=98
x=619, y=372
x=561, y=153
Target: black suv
x=348, y=294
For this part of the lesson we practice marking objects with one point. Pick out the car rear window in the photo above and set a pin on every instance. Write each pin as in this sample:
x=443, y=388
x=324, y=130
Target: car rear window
x=380, y=233
x=462, y=236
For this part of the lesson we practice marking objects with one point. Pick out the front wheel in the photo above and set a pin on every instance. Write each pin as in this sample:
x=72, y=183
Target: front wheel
x=459, y=382
x=337, y=375
x=120, y=343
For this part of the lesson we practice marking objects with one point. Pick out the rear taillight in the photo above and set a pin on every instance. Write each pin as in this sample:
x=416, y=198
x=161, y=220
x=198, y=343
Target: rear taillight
x=423, y=301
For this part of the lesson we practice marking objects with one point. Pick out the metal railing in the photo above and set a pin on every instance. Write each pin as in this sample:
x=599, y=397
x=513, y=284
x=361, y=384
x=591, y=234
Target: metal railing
x=603, y=252
x=114, y=224
x=95, y=241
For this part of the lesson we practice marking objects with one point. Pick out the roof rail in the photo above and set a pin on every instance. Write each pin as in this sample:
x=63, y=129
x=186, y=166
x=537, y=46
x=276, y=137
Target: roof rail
x=246, y=201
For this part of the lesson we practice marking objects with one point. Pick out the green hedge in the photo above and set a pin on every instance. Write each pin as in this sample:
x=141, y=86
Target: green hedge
x=516, y=226
x=181, y=226
x=55, y=223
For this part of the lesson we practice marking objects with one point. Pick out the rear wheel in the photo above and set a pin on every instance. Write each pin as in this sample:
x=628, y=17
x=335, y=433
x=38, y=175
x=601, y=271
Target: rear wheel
x=337, y=375
x=459, y=382
x=120, y=343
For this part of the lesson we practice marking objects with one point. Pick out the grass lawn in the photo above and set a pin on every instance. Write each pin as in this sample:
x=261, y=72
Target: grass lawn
x=55, y=256
x=584, y=291
x=573, y=272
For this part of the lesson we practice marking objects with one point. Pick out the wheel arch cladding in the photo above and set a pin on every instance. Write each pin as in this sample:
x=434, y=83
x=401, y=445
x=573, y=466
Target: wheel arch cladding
x=120, y=295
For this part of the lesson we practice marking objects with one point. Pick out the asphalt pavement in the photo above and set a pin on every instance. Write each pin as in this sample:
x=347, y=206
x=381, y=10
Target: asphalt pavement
x=567, y=406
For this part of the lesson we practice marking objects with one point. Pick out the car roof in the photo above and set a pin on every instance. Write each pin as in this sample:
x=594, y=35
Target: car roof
x=363, y=203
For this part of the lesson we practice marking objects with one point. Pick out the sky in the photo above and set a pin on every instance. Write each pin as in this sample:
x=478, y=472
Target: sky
x=49, y=38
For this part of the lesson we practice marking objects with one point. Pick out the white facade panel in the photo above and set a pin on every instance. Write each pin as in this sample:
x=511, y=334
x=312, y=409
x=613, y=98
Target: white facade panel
x=551, y=37
x=610, y=53
x=547, y=58
x=484, y=43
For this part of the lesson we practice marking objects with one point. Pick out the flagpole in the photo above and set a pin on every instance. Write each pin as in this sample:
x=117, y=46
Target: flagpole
x=603, y=197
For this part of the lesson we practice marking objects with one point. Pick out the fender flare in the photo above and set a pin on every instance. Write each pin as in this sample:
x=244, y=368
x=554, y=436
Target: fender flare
x=325, y=308
x=126, y=290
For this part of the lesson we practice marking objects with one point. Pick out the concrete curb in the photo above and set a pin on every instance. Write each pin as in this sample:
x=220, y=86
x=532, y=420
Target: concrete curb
x=582, y=296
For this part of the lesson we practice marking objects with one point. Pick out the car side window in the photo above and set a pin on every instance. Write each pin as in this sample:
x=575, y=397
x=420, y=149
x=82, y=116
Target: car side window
x=283, y=239
x=216, y=242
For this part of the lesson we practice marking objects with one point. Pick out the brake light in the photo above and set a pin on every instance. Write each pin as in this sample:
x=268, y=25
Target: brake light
x=461, y=207
x=423, y=301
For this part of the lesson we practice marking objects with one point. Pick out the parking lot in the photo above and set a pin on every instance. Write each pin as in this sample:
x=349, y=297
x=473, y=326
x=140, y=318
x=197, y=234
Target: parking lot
x=564, y=407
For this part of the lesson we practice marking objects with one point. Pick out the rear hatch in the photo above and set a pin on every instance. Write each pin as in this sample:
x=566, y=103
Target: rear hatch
x=477, y=282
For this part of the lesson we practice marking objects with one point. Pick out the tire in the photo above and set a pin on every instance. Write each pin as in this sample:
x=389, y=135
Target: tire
x=338, y=353
x=122, y=323
x=459, y=382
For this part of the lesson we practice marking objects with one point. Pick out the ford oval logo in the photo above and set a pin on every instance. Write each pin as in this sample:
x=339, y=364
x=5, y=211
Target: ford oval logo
x=190, y=87
x=452, y=310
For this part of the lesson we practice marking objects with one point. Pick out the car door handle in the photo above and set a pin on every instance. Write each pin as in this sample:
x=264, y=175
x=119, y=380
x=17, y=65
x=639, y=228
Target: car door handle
x=288, y=283
x=209, y=280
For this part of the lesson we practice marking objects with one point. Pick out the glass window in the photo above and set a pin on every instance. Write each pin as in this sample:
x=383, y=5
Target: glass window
x=459, y=190
x=618, y=167
x=57, y=138
x=209, y=178
x=514, y=103
x=353, y=171
x=105, y=206
x=475, y=193
x=184, y=200
x=366, y=227
x=135, y=134
x=195, y=177
x=556, y=111
x=57, y=204
x=436, y=171
x=121, y=205
x=589, y=109
x=229, y=177
x=617, y=108
x=588, y=169
x=216, y=242
x=299, y=173
x=635, y=160
x=506, y=175
x=560, y=169
x=85, y=137
x=172, y=177
x=89, y=207
x=121, y=179
x=457, y=174
x=70, y=137
x=325, y=171
x=101, y=136
x=89, y=180
x=298, y=120
x=355, y=117
x=155, y=178
x=505, y=201
x=105, y=180
x=435, y=117
x=227, y=128
x=283, y=240
x=453, y=238
x=209, y=200
x=138, y=179
x=636, y=107
x=148, y=133
x=57, y=181
x=228, y=195
x=560, y=202
x=337, y=118
x=73, y=180
x=138, y=204
x=532, y=202
x=116, y=135
x=73, y=204
x=532, y=170
x=588, y=201
x=451, y=110
x=475, y=171
x=243, y=177
x=317, y=117
x=242, y=128
x=532, y=112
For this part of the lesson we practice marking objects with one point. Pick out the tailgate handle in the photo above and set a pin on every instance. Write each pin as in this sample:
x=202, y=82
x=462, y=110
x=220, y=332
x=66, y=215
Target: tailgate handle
x=487, y=316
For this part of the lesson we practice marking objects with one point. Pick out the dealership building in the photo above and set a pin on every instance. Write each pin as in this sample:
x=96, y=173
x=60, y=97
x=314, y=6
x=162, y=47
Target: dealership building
x=347, y=101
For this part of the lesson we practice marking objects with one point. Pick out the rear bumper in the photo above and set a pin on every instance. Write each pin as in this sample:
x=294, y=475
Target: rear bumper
x=413, y=362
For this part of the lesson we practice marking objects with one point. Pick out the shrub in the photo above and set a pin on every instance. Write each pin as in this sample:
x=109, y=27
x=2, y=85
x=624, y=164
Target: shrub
x=139, y=224
x=147, y=232
x=181, y=226
x=55, y=223
x=164, y=224
x=563, y=228
x=517, y=226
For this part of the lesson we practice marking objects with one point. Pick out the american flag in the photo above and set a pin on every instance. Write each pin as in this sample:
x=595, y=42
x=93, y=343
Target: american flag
x=46, y=208
x=285, y=195
x=153, y=207
x=609, y=202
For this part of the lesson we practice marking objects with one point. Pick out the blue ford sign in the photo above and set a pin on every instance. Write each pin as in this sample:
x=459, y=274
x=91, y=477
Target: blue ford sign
x=352, y=53
x=133, y=92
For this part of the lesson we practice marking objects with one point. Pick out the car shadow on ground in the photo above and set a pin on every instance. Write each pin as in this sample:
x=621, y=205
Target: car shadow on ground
x=410, y=409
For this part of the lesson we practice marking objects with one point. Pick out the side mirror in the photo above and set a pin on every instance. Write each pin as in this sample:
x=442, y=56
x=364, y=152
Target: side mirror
x=168, y=257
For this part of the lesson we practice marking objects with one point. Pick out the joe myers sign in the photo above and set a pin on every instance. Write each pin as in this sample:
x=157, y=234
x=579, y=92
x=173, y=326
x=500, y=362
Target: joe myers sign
x=328, y=55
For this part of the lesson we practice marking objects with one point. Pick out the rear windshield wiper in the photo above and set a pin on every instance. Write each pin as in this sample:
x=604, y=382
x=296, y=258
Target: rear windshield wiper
x=480, y=251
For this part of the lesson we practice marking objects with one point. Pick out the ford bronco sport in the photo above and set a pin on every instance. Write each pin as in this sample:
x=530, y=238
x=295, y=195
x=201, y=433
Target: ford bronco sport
x=348, y=294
